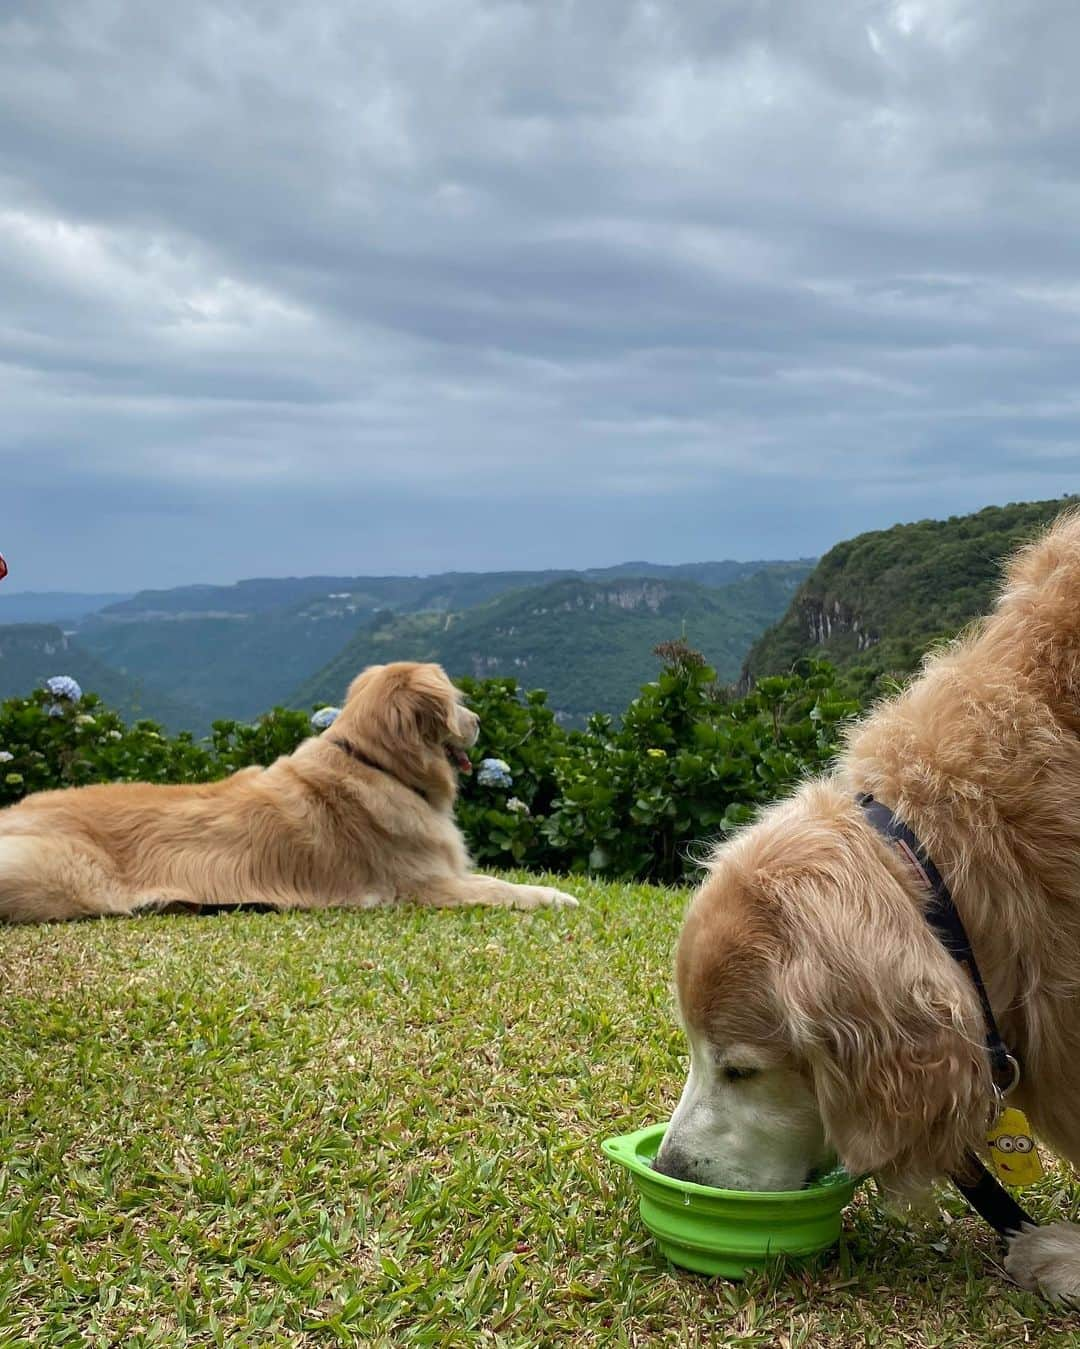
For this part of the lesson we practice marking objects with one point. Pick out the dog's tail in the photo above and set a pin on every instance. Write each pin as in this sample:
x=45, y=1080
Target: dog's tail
x=1037, y=619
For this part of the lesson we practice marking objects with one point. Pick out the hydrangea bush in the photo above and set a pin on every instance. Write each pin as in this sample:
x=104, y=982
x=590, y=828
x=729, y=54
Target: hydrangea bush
x=504, y=805
x=84, y=742
x=64, y=738
x=686, y=765
x=639, y=798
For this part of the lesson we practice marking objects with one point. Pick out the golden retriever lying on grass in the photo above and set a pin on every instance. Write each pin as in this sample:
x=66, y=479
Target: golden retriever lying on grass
x=822, y=1011
x=357, y=817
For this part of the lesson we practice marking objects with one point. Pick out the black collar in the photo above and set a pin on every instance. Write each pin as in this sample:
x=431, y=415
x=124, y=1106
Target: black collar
x=976, y=1184
x=359, y=755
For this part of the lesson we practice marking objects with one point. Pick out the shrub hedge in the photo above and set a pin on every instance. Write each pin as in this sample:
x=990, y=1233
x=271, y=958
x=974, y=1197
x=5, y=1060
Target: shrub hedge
x=633, y=798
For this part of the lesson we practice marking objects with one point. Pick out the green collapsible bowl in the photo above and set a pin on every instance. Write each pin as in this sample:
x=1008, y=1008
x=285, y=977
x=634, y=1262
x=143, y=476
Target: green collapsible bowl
x=729, y=1232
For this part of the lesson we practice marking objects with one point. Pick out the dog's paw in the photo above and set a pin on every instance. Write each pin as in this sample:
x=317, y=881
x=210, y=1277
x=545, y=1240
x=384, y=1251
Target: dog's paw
x=543, y=897
x=1047, y=1260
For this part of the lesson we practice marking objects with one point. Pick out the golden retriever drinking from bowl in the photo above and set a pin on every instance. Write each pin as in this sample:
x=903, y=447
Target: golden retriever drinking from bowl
x=823, y=1014
x=359, y=816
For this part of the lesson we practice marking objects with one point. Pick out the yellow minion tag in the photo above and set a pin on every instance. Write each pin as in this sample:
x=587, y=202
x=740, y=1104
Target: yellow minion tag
x=1014, y=1158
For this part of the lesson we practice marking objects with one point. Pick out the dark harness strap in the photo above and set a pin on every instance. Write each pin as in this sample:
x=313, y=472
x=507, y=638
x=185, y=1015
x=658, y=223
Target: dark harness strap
x=990, y=1199
x=359, y=755
x=982, y=1191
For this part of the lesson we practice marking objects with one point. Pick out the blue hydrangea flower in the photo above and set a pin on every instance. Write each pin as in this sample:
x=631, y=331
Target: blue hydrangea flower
x=326, y=716
x=63, y=686
x=54, y=710
x=6, y=756
x=494, y=773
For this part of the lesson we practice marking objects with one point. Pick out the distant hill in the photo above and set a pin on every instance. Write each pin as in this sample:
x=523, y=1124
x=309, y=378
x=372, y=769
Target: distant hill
x=51, y=606
x=881, y=599
x=233, y=651
x=32, y=652
x=588, y=643
x=231, y=665
x=410, y=594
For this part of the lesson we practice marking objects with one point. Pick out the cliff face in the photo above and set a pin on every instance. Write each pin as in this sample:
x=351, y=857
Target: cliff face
x=824, y=619
x=628, y=596
x=578, y=598
x=644, y=595
x=26, y=647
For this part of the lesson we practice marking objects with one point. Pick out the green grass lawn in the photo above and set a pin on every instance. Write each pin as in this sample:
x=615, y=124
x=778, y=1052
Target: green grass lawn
x=383, y=1129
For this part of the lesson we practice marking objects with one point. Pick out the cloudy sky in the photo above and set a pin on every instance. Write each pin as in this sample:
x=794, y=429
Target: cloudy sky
x=363, y=286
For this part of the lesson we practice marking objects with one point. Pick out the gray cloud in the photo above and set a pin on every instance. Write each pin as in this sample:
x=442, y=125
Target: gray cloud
x=413, y=286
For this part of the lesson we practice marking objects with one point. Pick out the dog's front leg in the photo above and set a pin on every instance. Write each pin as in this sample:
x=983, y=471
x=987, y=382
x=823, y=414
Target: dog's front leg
x=462, y=891
x=1047, y=1260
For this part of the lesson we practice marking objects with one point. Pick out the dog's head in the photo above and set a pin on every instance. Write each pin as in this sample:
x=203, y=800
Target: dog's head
x=409, y=719
x=823, y=1015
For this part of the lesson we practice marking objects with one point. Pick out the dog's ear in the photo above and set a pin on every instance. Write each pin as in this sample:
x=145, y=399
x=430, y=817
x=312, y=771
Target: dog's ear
x=401, y=713
x=888, y=1022
x=422, y=705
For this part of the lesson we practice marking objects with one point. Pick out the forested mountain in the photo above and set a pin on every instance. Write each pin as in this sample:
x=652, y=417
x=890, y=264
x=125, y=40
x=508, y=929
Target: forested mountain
x=231, y=665
x=233, y=651
x=882, y=598
x=194, y=653
x=32, y=652
x=588, y=643
x=410, y=594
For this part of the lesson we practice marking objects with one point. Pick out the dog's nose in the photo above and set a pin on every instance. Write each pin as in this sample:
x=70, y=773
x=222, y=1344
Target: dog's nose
x=672, y=1162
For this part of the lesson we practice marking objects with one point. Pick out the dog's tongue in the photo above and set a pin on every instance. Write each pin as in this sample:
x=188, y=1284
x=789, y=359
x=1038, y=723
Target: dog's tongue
x=463, y=761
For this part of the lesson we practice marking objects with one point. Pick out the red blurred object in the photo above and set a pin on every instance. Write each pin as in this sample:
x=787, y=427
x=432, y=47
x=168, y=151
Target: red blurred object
x=3, y=567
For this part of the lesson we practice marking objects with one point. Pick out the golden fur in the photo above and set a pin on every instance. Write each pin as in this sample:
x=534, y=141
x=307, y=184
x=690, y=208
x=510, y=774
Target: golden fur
x=808, y=941
x=319, y=828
